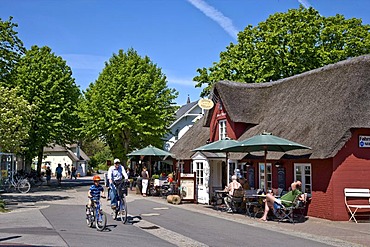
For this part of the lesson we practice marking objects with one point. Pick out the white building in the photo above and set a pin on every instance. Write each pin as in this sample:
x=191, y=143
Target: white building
x=186, y=116
x=71, y=155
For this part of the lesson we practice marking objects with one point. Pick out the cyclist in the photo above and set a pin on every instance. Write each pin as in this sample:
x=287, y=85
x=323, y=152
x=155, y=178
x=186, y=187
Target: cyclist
x=115, y=176
x=94, y=192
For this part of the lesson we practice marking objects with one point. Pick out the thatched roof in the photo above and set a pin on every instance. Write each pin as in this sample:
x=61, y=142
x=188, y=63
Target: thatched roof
x=317, y=108
x=195, y=137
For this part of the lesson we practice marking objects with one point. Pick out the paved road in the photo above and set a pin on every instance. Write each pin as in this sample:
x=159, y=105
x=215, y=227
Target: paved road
x=54, y=217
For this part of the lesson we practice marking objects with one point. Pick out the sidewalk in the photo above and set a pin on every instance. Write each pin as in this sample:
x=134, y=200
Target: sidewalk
x=329, y=232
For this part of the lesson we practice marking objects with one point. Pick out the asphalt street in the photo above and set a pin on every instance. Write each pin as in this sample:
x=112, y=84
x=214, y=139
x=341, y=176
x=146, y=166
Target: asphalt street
x=55, y=217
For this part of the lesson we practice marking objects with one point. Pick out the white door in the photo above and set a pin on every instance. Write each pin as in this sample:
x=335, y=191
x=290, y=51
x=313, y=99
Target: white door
x=202, y=172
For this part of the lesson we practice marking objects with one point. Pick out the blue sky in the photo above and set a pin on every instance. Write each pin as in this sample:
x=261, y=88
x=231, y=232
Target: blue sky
x=177, y=35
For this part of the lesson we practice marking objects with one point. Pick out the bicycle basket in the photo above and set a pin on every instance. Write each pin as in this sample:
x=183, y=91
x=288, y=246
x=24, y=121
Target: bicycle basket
x=122, y=188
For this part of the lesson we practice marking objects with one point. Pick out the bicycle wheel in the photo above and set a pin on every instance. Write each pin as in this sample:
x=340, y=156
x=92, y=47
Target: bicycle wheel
x=123, y=210
x=100, y=220
x=114, y=214
x=8, y=187
x=23, y=186
x=90, y=218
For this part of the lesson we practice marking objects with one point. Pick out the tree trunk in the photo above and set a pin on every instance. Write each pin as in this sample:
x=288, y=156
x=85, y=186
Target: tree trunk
x=39, y=160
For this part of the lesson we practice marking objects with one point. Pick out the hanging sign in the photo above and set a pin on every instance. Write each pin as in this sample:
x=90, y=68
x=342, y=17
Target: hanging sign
x=205, y=104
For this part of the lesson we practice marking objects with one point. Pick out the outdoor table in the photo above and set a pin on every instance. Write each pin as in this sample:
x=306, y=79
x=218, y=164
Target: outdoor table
x=254, y=204
x=220, y=195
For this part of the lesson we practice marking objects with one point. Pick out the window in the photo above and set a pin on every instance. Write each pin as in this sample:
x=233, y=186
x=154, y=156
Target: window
x=199, y=173
x=177, y=134
x=222, y=129
x=261, y=174
x=302, y=172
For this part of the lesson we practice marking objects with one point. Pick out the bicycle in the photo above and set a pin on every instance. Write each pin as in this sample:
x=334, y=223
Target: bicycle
x=121, y=208
x=96, y=215
x=20, y=184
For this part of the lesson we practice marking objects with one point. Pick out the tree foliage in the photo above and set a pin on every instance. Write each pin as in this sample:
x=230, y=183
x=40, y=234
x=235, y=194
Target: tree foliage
x=287, y=44
x=98, y=152
x=11, y=48
x=15, y=115
x=46, y=82
x=129, y=106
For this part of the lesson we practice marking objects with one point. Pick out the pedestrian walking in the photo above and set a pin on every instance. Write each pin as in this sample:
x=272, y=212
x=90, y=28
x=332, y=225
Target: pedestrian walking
x=48, y=175
x=59, y=173
x=144, y=181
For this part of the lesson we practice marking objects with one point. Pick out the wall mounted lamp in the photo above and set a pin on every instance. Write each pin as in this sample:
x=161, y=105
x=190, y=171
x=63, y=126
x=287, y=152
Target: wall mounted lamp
x=278, y=164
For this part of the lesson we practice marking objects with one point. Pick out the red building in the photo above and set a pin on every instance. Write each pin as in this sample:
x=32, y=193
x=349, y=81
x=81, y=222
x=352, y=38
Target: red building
x=327, y=109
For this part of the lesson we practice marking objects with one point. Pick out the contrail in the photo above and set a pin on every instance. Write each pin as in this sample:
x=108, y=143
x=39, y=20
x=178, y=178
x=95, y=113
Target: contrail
x=305, y=3
x=217, y=16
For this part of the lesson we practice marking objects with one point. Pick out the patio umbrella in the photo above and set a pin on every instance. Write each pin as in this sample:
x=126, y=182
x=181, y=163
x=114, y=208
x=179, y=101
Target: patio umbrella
x=150, y=151
x=265, y=142
x=218, y=147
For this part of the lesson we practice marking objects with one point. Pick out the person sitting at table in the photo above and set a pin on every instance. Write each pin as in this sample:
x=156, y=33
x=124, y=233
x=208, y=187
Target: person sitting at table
x=244, y=183
x=233, y=185
x=273, y=202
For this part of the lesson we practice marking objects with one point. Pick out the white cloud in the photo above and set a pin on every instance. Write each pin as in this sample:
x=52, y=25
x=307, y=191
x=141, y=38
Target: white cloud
x=181, y=81
x=225, y=22
x=84, y=61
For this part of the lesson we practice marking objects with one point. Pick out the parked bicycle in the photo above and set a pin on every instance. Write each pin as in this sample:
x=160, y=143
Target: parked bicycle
x=16, y=183
x=121, y=209
x=96, y=215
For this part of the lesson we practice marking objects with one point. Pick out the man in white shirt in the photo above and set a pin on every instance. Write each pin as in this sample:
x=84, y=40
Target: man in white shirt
x=115, y=174
x=234, y=185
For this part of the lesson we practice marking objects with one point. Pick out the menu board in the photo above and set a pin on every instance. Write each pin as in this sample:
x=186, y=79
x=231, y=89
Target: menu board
x=187, y=189
x=281, y=178
x=188, y=186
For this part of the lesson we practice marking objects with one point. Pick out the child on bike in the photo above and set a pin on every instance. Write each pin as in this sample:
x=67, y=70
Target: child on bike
x=94, y=193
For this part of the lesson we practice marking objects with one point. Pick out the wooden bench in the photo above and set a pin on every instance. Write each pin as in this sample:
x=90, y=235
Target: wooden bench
x=358, y=195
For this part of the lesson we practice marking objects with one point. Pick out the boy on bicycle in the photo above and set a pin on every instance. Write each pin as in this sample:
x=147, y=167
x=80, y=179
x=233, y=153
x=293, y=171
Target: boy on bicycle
x=94, y=193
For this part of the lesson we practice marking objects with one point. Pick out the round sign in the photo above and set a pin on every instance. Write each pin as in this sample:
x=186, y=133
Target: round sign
x=205, y=104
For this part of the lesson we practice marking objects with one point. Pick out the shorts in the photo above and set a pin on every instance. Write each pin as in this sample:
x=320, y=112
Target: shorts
x=277, y=206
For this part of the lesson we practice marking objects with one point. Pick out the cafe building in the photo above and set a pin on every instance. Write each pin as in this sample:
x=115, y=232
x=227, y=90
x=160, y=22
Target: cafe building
x=327, y=109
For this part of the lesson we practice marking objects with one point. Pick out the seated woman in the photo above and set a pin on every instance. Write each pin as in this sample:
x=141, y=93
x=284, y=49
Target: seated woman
x=285, y=200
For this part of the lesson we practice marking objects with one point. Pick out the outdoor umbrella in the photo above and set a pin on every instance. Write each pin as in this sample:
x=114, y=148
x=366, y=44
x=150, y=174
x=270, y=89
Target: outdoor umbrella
x=150, y=151
x=265, y=142
x=217, y=147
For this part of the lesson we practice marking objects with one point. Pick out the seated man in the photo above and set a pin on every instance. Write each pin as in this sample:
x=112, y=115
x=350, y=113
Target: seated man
x=234, y=185
x=285, y=200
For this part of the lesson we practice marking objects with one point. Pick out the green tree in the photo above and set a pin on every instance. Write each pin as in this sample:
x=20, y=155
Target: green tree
x=15, y=115
x=11, y=49
x=287, y=44
x=129, y=105
x=46, y=82
x=98, y=152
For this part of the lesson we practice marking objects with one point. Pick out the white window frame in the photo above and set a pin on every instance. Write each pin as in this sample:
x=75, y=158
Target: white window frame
x=222, y=133
x=261, y=175
x=200, y=172
x=306, y=179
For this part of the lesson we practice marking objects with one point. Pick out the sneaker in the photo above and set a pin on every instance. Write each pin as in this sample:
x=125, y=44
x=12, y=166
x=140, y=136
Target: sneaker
x=229, y=210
